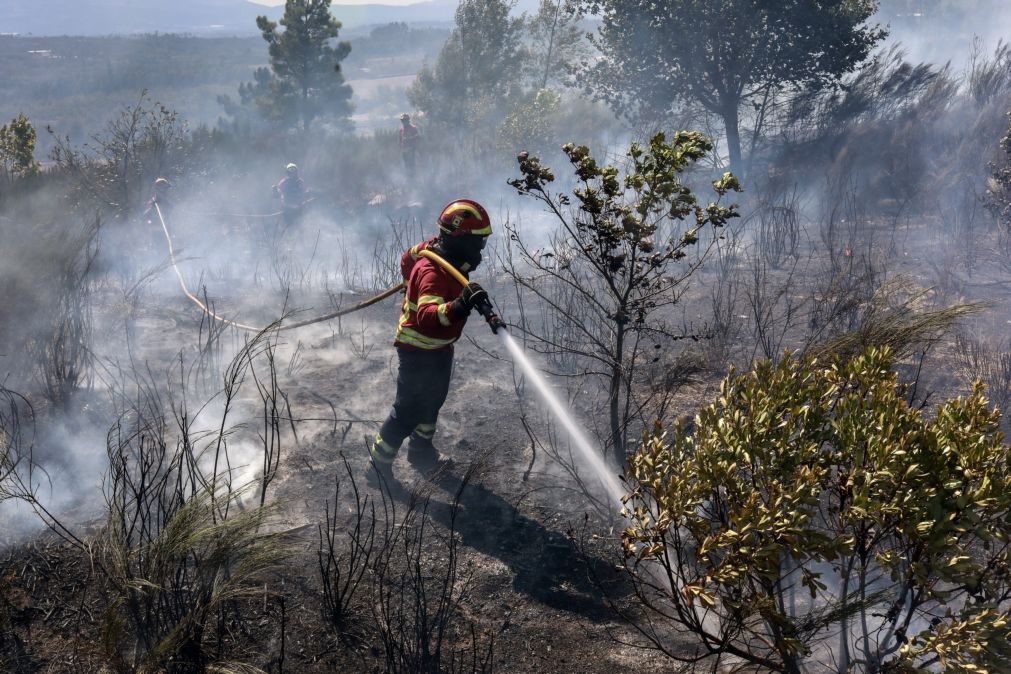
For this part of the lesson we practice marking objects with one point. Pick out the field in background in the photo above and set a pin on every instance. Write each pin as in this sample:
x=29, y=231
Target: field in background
x=75, y=85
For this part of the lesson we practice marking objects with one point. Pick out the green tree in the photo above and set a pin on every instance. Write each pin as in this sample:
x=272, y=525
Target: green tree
x=479, y=68
x=17, y=148
x=620, y=258
x=532, y=123
x=304, y=81
x=813, y=521
x=730, y=56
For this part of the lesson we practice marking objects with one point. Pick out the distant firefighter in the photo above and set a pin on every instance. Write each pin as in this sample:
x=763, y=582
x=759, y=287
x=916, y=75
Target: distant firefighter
x=160, y=196
x=153, y=238
x=410, y=137
x=292, y=193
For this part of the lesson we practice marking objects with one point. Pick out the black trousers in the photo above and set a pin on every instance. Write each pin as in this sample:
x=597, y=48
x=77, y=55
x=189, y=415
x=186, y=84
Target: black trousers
x=422, y=387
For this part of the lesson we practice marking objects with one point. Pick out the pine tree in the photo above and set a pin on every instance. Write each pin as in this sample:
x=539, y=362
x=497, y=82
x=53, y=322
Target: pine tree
x=556, y=41
x=304, y=81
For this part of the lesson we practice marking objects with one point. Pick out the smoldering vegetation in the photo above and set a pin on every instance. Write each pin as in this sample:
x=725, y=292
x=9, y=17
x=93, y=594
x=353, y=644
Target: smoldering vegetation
x=178, y=494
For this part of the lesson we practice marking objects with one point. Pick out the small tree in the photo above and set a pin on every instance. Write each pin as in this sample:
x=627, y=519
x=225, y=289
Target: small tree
x=621, y=258
x=813, y=521
x=17, y=148
x=725, y=55
x=305, y=80
x=115, y=170
x=17, y=434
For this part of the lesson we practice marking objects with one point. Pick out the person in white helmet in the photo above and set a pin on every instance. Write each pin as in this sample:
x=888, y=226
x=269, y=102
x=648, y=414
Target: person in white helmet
x=292, y=193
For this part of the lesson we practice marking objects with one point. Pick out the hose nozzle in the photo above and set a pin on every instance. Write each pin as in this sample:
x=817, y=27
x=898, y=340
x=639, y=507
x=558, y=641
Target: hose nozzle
x=485, y=309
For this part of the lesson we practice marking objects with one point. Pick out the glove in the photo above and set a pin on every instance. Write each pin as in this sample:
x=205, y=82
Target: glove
x=473, y=295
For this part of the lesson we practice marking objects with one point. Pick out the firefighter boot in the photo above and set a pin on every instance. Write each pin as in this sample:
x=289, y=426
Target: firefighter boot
x=380, y=471
x=423, y=455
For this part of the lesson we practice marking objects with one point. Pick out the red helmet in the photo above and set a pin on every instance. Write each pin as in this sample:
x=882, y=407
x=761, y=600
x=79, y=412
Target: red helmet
x=464, y=216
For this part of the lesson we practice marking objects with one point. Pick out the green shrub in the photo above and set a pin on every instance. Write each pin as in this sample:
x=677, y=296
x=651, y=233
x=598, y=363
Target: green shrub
x=813, y=517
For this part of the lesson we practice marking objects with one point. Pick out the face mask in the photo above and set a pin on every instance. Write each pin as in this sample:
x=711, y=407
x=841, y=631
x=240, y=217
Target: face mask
x=465, y=251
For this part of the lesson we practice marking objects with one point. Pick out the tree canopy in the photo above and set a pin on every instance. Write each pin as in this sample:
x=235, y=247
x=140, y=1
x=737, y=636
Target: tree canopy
x=304, y=81
x=723, y=54
x=479, y=67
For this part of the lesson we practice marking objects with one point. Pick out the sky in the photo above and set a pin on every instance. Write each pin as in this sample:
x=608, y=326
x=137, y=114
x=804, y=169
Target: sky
x=273, y=3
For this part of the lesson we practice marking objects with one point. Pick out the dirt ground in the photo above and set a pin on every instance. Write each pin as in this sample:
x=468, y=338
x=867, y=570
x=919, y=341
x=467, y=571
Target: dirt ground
x=533, y=571
x=537, y=561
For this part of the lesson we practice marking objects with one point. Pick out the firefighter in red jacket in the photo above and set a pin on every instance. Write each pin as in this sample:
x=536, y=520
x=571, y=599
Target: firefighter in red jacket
x=409, y=139
x=435, y=310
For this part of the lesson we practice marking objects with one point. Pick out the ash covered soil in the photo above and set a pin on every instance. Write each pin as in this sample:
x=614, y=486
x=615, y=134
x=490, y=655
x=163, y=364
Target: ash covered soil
x=537, y=564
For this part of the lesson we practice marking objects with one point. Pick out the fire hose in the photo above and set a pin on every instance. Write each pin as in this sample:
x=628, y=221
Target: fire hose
x=251, y=328
x=249, y=216
x=484, y=307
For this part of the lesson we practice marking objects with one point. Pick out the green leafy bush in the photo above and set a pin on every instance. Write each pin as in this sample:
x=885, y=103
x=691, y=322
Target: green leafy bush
x=812, y=518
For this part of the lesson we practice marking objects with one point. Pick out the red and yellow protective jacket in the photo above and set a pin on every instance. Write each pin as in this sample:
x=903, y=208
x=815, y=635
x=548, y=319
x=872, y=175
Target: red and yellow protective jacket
x=426, y=322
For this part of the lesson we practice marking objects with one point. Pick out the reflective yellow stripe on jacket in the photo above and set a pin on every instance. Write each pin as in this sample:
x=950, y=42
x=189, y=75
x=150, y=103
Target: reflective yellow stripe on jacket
x=413, y=337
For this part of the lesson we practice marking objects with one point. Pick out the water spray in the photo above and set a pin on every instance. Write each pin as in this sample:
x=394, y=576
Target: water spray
x=591, y=457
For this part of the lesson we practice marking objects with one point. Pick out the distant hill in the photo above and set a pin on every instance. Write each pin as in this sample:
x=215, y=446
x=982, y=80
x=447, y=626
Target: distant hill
x=197, y=17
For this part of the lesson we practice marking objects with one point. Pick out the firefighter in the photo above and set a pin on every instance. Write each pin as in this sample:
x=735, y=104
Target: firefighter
x=434, y=312
x=292, y=193
x=409, y=139
x=160, y=196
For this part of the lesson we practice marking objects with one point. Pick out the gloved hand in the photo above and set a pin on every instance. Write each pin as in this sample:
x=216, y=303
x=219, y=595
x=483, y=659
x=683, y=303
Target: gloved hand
x=472, y=296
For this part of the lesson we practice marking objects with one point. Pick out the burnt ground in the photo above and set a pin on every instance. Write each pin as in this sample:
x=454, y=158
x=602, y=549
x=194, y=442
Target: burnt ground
x=537, y=564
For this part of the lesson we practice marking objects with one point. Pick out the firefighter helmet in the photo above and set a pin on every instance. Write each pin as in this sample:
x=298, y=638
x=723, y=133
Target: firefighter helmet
x=404, y=117
x=464, y=216
x=162, y=183
x=291, y=169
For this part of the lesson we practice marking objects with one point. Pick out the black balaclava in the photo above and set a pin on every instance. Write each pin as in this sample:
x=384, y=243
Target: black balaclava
x=463, y=252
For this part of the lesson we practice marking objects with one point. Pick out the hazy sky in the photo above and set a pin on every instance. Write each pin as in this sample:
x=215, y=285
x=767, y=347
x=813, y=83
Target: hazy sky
x=346, y=2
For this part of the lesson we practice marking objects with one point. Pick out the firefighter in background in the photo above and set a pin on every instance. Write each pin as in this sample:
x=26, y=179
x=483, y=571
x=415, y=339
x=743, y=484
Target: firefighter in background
x=292, y=193
x=159, y=195
x=434, y=312
x=409, y=139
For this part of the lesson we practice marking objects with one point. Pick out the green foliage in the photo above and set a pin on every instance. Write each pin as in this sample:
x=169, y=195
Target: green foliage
x=478, y=69
x=17, y=148
x=171, y=587
x=304, y=81
x=722, y=55
x=532, y=123
x=998, y=194
x=623, y=230
x=811, y=502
